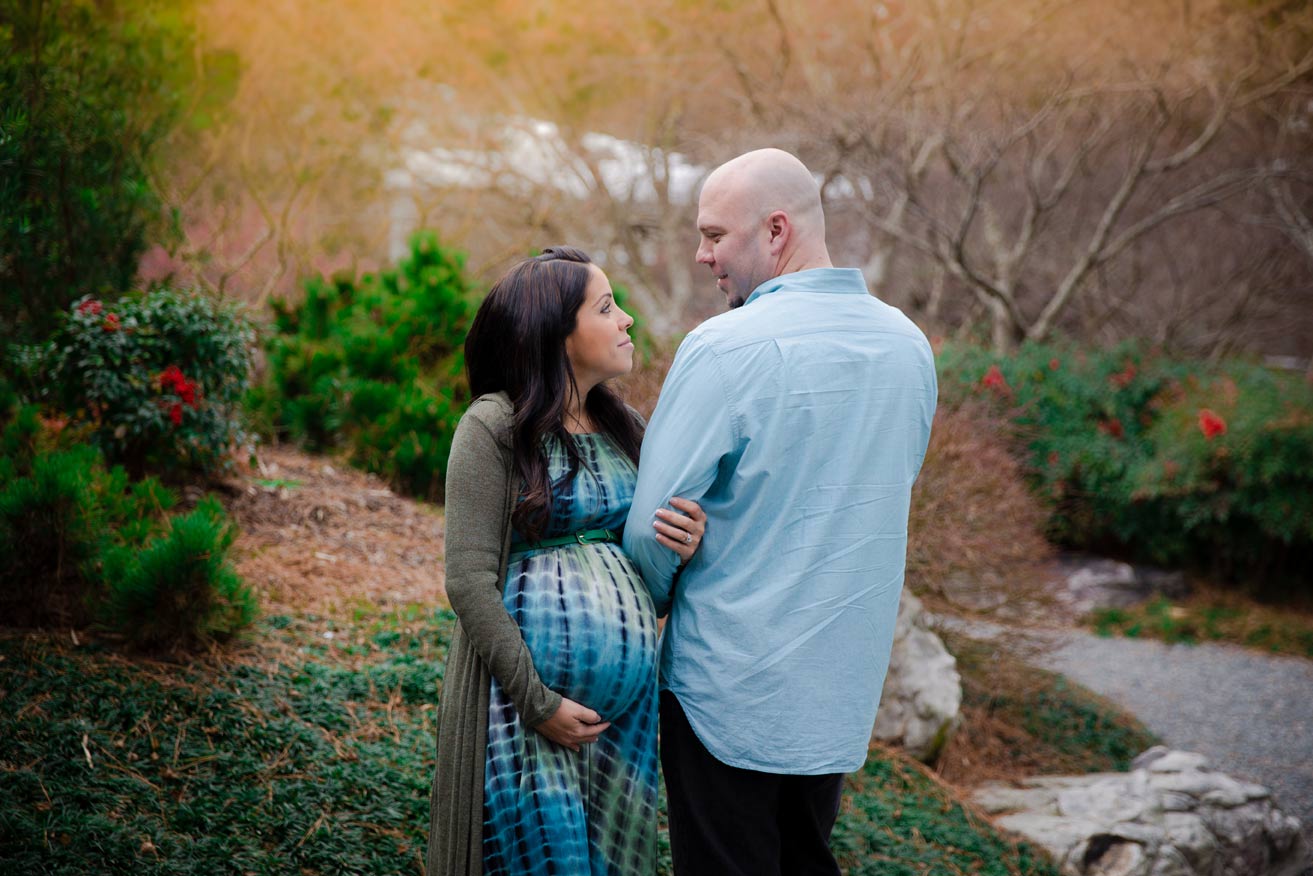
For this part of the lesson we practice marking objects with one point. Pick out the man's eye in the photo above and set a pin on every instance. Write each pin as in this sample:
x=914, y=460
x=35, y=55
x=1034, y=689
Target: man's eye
x=606, y=309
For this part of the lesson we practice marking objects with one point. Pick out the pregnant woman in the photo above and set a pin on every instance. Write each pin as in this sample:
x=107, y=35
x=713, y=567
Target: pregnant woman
x=546, y=757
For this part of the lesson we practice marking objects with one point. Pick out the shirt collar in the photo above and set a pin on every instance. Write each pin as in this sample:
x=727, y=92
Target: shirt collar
x=844, y=281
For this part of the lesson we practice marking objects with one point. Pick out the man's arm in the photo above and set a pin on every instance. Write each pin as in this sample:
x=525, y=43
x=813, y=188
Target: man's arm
x=693, y=428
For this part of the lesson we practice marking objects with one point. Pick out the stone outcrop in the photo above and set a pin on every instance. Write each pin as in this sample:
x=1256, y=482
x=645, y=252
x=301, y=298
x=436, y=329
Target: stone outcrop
x=1170, y=816
x=1090, y=583
x=920, y=707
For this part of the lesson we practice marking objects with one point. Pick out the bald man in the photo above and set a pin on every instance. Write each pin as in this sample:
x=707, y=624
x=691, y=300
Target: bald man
x=799, y=420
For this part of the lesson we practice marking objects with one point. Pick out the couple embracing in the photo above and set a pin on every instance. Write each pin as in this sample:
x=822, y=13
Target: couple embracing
x=767, y=522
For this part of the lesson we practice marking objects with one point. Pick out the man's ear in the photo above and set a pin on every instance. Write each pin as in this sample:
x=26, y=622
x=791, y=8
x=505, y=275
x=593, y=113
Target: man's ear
x=780, y=229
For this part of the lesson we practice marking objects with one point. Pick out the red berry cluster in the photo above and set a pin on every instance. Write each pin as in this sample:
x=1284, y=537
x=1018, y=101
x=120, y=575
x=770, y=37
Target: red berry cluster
x=173, y=380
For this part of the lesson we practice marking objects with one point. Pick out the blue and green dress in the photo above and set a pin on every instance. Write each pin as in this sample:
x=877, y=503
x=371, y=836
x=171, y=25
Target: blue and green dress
x=589, y=623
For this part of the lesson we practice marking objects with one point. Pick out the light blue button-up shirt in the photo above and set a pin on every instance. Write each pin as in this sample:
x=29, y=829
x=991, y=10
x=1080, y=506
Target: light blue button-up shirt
x=799, y=421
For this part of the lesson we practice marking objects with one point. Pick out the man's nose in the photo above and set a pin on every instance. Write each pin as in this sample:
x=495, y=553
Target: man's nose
x=704, y=254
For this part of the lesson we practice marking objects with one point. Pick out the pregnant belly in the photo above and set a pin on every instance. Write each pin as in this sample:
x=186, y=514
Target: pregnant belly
x=588, y=622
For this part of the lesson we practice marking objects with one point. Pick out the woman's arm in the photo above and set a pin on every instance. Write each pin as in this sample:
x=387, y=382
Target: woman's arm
x=478, y=483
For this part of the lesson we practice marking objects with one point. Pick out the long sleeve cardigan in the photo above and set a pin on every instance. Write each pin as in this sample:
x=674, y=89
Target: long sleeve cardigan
x=481, y=492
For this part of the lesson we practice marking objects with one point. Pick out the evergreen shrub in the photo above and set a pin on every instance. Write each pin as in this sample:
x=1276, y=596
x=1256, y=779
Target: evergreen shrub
x=179, y=590
x=1174, y=462
x=51, y=532
x=375, y=366
x=80, y=541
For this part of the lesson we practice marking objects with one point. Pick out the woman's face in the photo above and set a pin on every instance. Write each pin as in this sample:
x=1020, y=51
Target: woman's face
x=599, y=347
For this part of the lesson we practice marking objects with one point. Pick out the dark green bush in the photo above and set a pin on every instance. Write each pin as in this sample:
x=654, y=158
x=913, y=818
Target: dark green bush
x=1232, y=469
x=179, y=590
x=1173, y=462
x=52, y=529
x=375, y=366
x=79, y=541
x=88, y=91
x=158, y=376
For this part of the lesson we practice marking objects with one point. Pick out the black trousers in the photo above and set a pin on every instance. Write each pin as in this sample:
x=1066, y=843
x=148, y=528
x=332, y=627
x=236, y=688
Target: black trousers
x=727, y=821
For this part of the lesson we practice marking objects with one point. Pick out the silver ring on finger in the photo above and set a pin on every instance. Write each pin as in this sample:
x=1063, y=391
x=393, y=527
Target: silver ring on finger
x=688, y=538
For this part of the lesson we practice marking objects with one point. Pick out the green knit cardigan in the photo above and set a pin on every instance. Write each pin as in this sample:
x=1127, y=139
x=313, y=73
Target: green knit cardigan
x=481, y=493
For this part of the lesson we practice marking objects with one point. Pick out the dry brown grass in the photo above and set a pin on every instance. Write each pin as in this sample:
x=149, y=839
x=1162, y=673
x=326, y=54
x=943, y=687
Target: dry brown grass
x=975, y=533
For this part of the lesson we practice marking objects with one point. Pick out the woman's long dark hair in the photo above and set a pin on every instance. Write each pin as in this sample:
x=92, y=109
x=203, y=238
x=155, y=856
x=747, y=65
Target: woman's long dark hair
x=517, y=345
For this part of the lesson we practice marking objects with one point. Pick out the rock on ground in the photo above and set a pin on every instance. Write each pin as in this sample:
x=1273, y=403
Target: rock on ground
x=1170, y=816
x=1251, y=714
x=920, y=707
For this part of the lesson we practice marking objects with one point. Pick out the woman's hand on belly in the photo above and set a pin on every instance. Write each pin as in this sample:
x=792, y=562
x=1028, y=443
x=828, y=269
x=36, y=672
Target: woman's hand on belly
x=572, y=725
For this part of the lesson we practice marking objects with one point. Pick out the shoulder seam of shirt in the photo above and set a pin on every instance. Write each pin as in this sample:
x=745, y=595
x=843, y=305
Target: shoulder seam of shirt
x=736, y=429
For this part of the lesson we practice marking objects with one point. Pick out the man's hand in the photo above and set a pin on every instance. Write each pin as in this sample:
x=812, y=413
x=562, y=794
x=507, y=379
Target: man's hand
x=573, y=725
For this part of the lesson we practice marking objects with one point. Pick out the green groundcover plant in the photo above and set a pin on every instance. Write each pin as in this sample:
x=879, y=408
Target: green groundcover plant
x=1174, y=462
x=315, y=755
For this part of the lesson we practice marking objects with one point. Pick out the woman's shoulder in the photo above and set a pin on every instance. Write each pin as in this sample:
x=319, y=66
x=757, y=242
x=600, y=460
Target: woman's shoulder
x=495, y=412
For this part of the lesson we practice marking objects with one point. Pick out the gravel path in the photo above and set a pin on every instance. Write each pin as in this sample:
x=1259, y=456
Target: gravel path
x=1251, y=714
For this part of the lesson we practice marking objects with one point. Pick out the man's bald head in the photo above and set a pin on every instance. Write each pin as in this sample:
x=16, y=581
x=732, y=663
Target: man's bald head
x=766, y=180
x=760, y=216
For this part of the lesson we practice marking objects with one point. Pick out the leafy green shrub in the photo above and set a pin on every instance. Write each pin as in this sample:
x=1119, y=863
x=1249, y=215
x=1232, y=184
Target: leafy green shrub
x=159, y=376
x=1174, y=462
x=1233, y=468
x=375, y=365
x=179, y=589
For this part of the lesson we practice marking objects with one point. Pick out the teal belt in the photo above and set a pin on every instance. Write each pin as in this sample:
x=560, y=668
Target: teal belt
x=587, y=536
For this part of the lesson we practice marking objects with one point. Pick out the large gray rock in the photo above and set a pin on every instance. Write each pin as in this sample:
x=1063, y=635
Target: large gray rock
x=1090, y=583
x=1170, y=816
x=920, y=707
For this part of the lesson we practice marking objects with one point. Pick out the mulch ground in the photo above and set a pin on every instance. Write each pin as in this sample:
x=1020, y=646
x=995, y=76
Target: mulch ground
x=321, y=538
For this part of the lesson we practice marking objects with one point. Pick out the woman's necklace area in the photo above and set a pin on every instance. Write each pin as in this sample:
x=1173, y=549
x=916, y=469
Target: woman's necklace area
x=578, y=425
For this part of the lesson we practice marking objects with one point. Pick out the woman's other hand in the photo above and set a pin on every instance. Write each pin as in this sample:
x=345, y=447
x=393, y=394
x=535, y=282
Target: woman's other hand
x=682, y=533
x=573, y=725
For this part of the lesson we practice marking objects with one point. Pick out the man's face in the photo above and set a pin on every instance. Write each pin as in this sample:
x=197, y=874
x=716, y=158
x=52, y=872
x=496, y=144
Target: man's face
x=735, y=243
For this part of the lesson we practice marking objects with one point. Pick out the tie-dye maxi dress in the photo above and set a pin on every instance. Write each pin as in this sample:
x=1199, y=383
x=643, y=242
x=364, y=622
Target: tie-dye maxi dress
x=589, y=623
